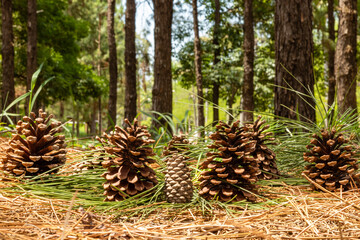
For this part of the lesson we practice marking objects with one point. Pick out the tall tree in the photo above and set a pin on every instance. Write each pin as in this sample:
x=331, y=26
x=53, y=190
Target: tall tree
x=293, y=62
x=215, y=89
x=162, y=89
x=112, y=64
x=345, y=56
x=331, y=52
x=7, y=53
x=198, y=74
x=98, y=65
x=248, y=85
x=130, y=61
x=31, y=63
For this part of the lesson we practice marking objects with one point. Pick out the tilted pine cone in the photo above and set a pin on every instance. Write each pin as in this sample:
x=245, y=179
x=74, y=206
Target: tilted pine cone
x=178, y=144
x=265, y=156
x=331, y=163
x=178, y=184
x=127, y=171
x=231, y=165
x=36, y=147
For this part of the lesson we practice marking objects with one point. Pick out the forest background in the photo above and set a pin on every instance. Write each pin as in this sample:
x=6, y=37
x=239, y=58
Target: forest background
x=209, y=60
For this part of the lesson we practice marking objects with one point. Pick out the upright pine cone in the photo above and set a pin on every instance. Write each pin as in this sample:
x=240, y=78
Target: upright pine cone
x=331, y=163
x=265, y=156
x=178, y=184
x=176, y=145
x=127, y=171
x=35, y=148
x=231, y=166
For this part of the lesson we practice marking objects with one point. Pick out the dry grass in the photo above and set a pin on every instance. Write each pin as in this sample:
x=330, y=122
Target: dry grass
x=301, y=214
x=304, y=215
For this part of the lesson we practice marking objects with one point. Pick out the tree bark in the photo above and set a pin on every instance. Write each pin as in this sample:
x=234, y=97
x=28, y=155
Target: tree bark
x=345, y=56
x=248, y=85
x=77, y=121
x=7, y=53
x=112, y=64
x=99, y=72
x=93, y=117
x=162, y=89
x=198, y=74
x=130, y=61
x=293, y=61
x=61, y=111
x=31, y=63
x=331, y=52
x=216, y=86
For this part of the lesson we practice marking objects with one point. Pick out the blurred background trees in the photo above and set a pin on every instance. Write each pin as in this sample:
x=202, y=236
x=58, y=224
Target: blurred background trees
x=239, y=55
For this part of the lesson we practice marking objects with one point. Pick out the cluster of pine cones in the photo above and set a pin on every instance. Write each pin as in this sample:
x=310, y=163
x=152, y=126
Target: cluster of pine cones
x=238, y=157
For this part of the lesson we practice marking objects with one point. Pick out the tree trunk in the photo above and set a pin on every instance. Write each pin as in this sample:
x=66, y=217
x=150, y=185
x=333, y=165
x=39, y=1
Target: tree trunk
x=216, y=92
x=7, y=53
x=345, y=56
x=77, y=122
x=162, y=89
x=130, y=61
x=99, y=72
x=293, y=61
x=31, y=63
x=112, y=65
x=248, y=85
x=199, y=81
x=331, y=52
x=93, y=117
x=61, y=110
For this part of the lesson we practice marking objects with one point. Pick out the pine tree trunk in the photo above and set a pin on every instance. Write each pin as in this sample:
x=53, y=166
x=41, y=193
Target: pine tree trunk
x=31, y=63
x=7, y=53
x=61, y=111
x=215, y=90
x=199, y=81
x=248, y=85
x=93, y=117
x=293, y=60
x=162, y=89
x=130, y=61
x=99, y=72
x=331, y=52
x=345, y=56
x=77, y=122
x=112, y=64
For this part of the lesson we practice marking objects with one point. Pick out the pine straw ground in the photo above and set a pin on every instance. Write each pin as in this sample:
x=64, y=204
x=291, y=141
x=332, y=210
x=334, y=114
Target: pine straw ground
x=291, y=212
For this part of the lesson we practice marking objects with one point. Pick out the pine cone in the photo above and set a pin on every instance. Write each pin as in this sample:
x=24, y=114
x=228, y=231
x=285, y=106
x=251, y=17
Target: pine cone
x=265, y=156
x=178, y=144
x=178, y=184
x=331, y=163
x=231, y=166
x=35, y=148
x=127, y=171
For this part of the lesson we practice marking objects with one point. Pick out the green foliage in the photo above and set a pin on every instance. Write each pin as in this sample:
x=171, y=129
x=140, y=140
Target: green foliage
x=59, y=34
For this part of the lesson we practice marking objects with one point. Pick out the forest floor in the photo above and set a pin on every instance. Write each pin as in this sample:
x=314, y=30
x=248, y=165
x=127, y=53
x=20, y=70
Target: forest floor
x=301, y=214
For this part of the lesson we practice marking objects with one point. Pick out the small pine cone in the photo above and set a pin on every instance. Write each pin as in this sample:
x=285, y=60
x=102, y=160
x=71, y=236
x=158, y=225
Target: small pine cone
x=231, y=169
x=128, y=172
x=178, y=184
x=331, y=163
x=36, y=147
x=177, y=144
x=265, y=156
